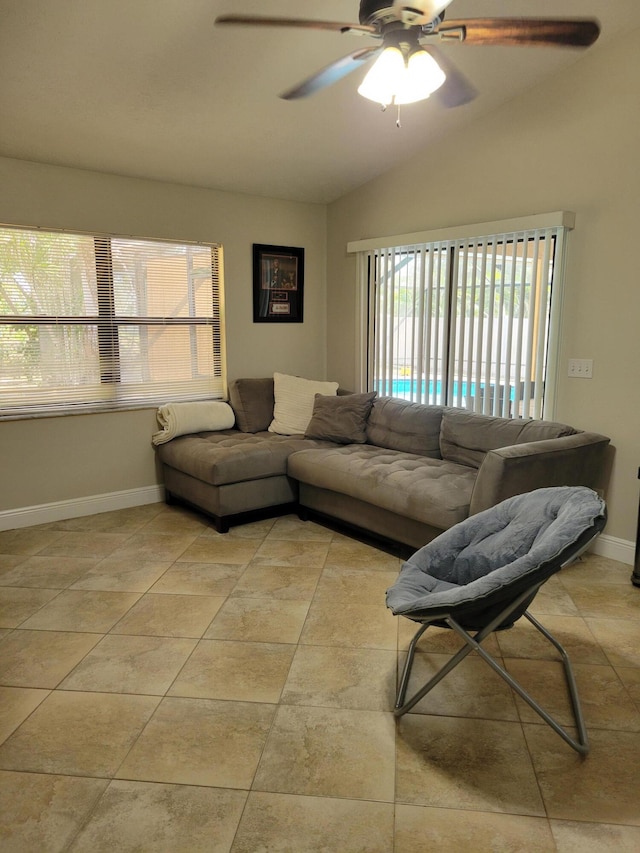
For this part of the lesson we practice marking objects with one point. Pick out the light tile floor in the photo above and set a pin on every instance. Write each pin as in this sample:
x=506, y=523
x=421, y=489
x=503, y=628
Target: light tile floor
x=167, y=688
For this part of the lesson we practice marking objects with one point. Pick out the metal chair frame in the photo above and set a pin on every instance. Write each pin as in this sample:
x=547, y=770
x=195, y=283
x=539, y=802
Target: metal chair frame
x=473, y=643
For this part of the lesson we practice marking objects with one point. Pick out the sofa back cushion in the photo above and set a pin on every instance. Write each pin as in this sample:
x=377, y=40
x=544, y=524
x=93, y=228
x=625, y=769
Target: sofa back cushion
x=466, y=437
x=409, y=427
x=252, y=401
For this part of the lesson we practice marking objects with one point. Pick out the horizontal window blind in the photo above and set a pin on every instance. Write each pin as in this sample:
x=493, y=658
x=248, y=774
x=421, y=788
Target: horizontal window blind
x=95, y=322
x=464, y=321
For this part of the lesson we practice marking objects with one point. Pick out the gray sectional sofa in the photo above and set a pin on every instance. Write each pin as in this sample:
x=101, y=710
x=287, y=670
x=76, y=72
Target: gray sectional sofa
x=415, y=471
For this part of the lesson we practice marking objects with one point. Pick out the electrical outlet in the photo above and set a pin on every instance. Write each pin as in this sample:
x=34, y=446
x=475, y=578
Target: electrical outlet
x=581, y=368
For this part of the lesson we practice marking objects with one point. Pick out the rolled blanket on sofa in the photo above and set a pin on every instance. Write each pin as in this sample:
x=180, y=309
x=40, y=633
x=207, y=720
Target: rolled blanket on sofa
x=184, y=418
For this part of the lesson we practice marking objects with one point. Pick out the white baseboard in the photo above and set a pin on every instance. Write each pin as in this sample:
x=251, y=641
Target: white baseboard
x=615, y=549
x=10, y=519
x=77, y=507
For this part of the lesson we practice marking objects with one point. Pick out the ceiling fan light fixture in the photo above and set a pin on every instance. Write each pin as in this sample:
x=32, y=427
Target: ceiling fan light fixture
x=384, y=78
x=422, y=76
x=394, y=79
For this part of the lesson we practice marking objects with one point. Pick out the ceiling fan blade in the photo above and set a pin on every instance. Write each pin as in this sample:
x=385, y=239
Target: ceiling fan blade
x=456, y=89
x=520, y=31
x=300, y=23
x=332, y=73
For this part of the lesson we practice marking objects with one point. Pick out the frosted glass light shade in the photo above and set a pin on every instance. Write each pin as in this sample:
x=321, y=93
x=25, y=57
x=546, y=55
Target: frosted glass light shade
x=392, y=81
x=422, y=76
x=384, y=77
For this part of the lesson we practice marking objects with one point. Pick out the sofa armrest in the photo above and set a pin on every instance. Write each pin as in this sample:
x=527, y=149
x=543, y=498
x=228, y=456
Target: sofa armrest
x=572, y=460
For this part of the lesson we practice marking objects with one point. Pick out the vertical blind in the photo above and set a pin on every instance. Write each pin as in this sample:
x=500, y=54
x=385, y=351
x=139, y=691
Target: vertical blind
x=464, y=321
x=92, y=322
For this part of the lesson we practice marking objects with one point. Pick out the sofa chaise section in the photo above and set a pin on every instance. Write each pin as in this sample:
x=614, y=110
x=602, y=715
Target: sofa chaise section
x=230, y=473
x=236, y=473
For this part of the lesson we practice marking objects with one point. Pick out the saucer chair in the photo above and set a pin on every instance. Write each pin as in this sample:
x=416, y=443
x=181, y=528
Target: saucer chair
x=481, y=575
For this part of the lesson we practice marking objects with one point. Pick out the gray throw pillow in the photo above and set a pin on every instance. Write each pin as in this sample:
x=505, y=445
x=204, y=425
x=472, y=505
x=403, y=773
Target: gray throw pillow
x=342, y=419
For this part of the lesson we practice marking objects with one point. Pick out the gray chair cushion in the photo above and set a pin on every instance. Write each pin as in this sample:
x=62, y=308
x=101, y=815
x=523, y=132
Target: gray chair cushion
x=512, y=545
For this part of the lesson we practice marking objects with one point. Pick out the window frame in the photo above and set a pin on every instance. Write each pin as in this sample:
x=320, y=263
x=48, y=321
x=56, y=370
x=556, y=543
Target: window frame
x=560, y=222
x=108, y=324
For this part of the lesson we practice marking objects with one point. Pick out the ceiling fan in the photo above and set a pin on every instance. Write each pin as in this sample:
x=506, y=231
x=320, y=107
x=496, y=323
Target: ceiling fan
x=407, y=67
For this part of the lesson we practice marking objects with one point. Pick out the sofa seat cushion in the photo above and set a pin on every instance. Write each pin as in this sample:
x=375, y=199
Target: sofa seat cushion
x=427, y=490
x=220, y=458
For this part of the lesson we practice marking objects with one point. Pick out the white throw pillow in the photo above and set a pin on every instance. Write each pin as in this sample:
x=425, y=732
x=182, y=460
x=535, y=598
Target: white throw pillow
x=294, y=399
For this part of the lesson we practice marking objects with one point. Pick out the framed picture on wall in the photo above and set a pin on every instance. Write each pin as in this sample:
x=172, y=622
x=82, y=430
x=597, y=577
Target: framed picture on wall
x=278, y=284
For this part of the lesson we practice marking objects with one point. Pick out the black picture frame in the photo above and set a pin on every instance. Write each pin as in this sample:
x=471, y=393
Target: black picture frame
x=278, y=284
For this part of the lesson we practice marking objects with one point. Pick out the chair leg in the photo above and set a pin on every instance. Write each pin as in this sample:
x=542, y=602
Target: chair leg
x=401, y=707
x=581, y=745
x=570, y=679
x=406, y=672
x=472, y=643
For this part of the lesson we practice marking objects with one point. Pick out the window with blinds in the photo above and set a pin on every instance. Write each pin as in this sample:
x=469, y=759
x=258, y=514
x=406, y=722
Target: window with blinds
x=466, y=320
x=95, y=322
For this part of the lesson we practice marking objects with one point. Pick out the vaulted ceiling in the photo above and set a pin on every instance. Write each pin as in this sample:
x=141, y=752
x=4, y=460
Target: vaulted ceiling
x=151, y=89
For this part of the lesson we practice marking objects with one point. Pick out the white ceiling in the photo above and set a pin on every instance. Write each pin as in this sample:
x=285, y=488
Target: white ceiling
x=149, y=88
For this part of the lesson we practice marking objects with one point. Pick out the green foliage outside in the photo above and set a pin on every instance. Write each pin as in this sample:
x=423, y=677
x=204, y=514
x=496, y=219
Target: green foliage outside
x=45, y=275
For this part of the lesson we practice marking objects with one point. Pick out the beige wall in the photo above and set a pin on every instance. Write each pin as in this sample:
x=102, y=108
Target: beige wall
x=52, y=459
x=572, y=143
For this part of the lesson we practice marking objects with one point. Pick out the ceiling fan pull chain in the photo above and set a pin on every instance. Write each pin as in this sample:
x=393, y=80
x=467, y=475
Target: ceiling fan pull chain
x=398, y=122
